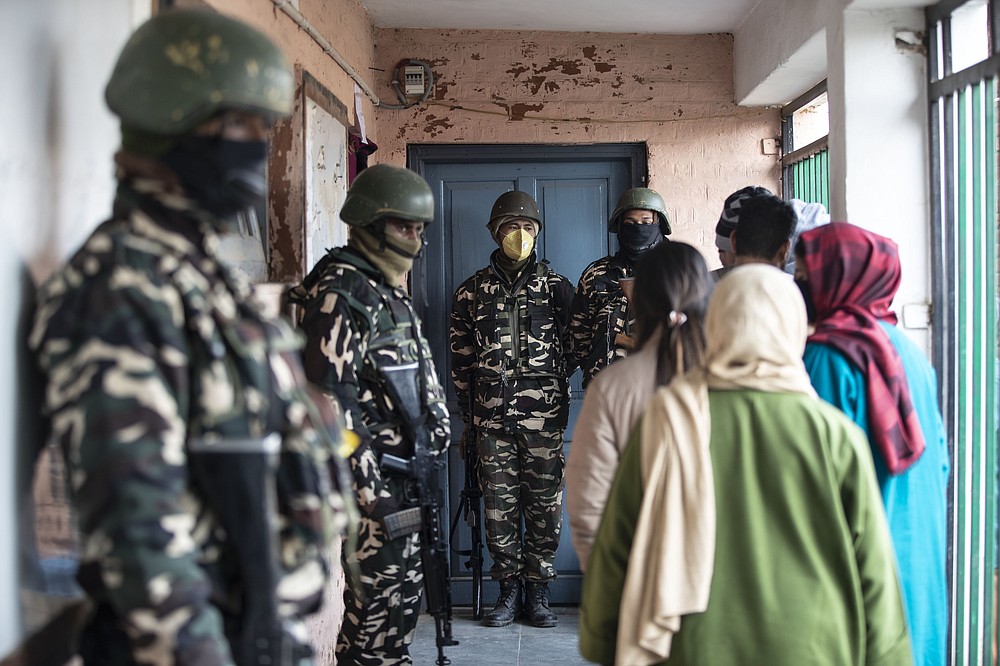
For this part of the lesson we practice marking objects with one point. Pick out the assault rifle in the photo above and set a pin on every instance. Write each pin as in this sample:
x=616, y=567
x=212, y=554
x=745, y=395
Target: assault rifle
x=237, y=478
x=402, y=383
x=470, y=506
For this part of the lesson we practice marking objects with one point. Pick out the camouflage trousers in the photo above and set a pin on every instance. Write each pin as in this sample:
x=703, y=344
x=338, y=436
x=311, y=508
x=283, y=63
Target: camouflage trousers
x=381, y=616
x=521, y=476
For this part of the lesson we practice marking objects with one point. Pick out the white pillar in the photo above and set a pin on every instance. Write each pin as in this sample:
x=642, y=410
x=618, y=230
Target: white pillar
x=56, y=185
x=879, y=143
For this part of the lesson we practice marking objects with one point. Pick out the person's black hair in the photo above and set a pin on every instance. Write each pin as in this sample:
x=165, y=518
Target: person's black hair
x=673, y=278
x=766, y=222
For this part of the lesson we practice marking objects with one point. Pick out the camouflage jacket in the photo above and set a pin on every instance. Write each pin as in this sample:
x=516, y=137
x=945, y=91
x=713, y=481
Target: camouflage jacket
x=600, y=314
x=357, y=326
x=511, y=341
x=155, y=362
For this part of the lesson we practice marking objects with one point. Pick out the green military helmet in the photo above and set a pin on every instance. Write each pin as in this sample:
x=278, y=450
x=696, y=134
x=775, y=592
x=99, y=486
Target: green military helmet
x=514, y=204
x=640, y=198
x=182, y=67
x=383, y=191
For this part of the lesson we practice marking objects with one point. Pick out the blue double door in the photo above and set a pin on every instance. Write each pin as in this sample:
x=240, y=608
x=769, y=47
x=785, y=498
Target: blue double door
x=576, y=189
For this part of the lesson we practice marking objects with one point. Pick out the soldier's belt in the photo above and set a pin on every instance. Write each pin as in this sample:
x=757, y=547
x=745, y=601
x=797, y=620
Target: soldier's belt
x=402, y=522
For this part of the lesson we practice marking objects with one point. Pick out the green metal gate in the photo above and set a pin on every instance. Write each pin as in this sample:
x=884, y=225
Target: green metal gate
x=963, y=127
x=805, y=170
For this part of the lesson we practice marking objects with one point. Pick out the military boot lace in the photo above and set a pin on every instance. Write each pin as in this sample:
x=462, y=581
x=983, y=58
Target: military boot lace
x=508, y=606
x=537, y=605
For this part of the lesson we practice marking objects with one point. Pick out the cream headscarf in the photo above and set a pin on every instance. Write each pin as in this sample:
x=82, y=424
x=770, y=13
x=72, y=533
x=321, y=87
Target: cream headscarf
x=756, y=330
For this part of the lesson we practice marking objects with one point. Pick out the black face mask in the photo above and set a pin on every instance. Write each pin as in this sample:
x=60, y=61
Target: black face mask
x=635, y=239
x=223, y=177
x=807, y=296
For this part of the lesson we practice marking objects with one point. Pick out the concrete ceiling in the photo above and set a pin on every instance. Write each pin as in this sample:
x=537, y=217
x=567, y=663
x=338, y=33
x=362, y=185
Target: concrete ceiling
x=650, y=16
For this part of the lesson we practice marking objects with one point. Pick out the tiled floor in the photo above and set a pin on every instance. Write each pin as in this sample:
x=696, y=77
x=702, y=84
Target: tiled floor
x=518, y=644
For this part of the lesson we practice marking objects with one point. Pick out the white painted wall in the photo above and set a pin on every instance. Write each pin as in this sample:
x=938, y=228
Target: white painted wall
x=56, y=184
x=879, y=143
x=878, y=115
x=780, y=51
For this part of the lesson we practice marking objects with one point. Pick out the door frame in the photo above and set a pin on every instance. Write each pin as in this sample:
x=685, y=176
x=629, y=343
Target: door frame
x=418, y=156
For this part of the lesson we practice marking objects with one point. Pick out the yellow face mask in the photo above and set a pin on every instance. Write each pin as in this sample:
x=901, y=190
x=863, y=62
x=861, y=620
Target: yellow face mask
x=518, y=245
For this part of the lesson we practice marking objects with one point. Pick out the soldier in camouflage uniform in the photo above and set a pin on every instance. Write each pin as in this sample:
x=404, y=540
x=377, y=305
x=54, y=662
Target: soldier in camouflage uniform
x=601, y=324
x=510, y=363
x=360, y=324
x=200, y=468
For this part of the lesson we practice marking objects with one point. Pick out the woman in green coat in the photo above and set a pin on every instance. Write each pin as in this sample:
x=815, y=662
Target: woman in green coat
x=745, y=524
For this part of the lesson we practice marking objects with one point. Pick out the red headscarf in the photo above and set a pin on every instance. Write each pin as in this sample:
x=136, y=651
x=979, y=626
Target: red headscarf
x=853, y=275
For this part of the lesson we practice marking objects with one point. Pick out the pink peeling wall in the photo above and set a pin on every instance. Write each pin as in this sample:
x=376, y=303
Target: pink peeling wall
x=346, y=25
x=673, y=92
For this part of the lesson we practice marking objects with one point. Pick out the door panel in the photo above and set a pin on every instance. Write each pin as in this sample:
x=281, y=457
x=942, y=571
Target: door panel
x=575, y=191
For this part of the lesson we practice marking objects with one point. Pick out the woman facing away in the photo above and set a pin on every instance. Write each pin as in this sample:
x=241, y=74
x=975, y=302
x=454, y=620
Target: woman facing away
x=745, y=524
x=672, y=288
x=860, y=362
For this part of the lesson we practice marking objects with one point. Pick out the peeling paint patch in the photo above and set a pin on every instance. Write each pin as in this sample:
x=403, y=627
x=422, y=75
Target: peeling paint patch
x=568, y=67
x=436, y=125
x=617, y=83
x=534, y=84
x=604, y=67
x=517, y=111
x=551, y=86
x=589, y=52
x=475, y=56
x=441, y=89
x=638, y=79
x=518, y=70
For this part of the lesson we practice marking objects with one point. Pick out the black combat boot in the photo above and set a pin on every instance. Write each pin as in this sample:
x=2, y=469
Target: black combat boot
x=536, y=605
x=508, y=606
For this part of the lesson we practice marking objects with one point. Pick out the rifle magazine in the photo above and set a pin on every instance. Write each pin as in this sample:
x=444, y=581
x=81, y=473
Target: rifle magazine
x=402, y=523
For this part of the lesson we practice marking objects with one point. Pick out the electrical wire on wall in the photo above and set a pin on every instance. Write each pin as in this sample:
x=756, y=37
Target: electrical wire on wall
x=407, y=75
x=739, y=113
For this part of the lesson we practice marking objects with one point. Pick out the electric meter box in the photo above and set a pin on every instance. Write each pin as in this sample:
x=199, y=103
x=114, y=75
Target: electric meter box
x=413, y=77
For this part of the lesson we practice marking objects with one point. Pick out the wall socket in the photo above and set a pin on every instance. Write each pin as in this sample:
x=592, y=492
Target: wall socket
x=769, y=146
